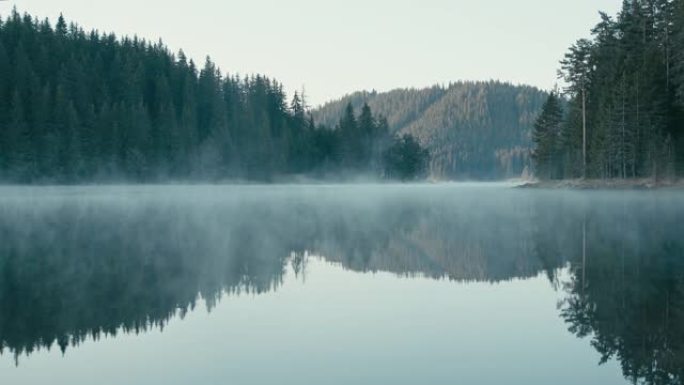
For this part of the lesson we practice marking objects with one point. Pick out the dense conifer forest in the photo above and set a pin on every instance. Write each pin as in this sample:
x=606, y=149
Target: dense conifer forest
x=621, y=115
x=81, y=106
x=473, y=130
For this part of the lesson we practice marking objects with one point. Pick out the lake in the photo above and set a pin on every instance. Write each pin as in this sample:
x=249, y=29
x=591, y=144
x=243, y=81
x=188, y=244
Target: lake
x=340, y=284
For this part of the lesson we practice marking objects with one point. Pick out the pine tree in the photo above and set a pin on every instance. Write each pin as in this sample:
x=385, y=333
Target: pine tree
x=367, y=134
x=405, y=159
x=61, y=27
x=575, y=70
x=350, y=139
x=546, y=136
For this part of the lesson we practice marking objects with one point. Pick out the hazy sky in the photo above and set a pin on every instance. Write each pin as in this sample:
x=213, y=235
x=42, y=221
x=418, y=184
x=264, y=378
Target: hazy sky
x=333, y=48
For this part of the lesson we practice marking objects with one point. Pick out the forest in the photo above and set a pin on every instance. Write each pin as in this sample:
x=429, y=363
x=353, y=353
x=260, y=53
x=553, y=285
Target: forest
x=473, y=130
x=621, y=114
x=80, y=106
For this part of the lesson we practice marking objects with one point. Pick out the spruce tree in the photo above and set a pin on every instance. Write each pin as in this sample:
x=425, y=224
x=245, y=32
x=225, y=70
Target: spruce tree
x=367, y=135
x=546, y=136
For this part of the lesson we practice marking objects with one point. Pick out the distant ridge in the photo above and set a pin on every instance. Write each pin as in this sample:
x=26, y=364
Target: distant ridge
x=474, y=130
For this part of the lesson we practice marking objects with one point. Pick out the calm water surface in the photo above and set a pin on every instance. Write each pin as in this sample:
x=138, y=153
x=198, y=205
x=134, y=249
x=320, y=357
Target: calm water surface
x=391, y=284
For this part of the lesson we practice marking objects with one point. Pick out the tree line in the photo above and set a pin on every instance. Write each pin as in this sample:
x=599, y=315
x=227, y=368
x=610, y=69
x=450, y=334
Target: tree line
x=622, y=112
x=85, y=106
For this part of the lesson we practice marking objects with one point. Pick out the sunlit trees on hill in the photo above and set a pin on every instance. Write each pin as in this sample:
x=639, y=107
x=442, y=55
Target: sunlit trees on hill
x=473, y=130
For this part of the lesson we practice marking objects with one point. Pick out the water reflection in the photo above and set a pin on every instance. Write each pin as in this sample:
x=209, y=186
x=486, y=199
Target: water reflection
x=87, y=262
x=627, y=288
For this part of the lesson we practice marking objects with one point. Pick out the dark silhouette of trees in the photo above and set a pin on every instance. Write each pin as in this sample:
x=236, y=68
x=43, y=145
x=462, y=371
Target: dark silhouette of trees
x=624, y=116
x=547, y=138
x=83, y=107
x=405, y=159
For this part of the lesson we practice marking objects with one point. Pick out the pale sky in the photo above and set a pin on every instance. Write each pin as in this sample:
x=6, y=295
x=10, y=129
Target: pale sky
x=334, y=48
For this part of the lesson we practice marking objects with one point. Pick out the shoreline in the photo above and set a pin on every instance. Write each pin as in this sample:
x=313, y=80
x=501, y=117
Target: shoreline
x=606, y=184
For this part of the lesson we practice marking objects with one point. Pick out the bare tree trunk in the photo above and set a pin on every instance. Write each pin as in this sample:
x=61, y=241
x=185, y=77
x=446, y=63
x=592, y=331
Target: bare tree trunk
x=667, y=54
x=654, y=161
x=667, y=309
x=584, y=133
x=623, y=151
x=637, y=139
x=623, y=281
x=584, y=253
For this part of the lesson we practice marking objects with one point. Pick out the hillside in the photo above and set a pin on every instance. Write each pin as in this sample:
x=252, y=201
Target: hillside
x=478, y=130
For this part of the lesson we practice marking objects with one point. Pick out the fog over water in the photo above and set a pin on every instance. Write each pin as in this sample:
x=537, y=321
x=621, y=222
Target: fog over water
x=340, y=284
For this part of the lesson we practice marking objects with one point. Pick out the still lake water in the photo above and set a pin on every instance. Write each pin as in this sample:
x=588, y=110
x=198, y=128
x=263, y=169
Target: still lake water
x=353, y=284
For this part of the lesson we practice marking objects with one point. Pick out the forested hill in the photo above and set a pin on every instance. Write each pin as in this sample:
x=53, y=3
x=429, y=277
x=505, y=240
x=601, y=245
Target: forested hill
x=80, y=106
x=479, y=130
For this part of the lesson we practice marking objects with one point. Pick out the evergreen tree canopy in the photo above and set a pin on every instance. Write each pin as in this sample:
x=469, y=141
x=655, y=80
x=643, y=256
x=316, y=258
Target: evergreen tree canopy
x=82, y=107
x=624, y=115
x=546, y=136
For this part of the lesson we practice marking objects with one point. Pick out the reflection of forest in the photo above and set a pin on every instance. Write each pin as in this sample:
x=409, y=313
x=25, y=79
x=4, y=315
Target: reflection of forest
x=69, y=269
x=627, y=288
x=72, y=269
